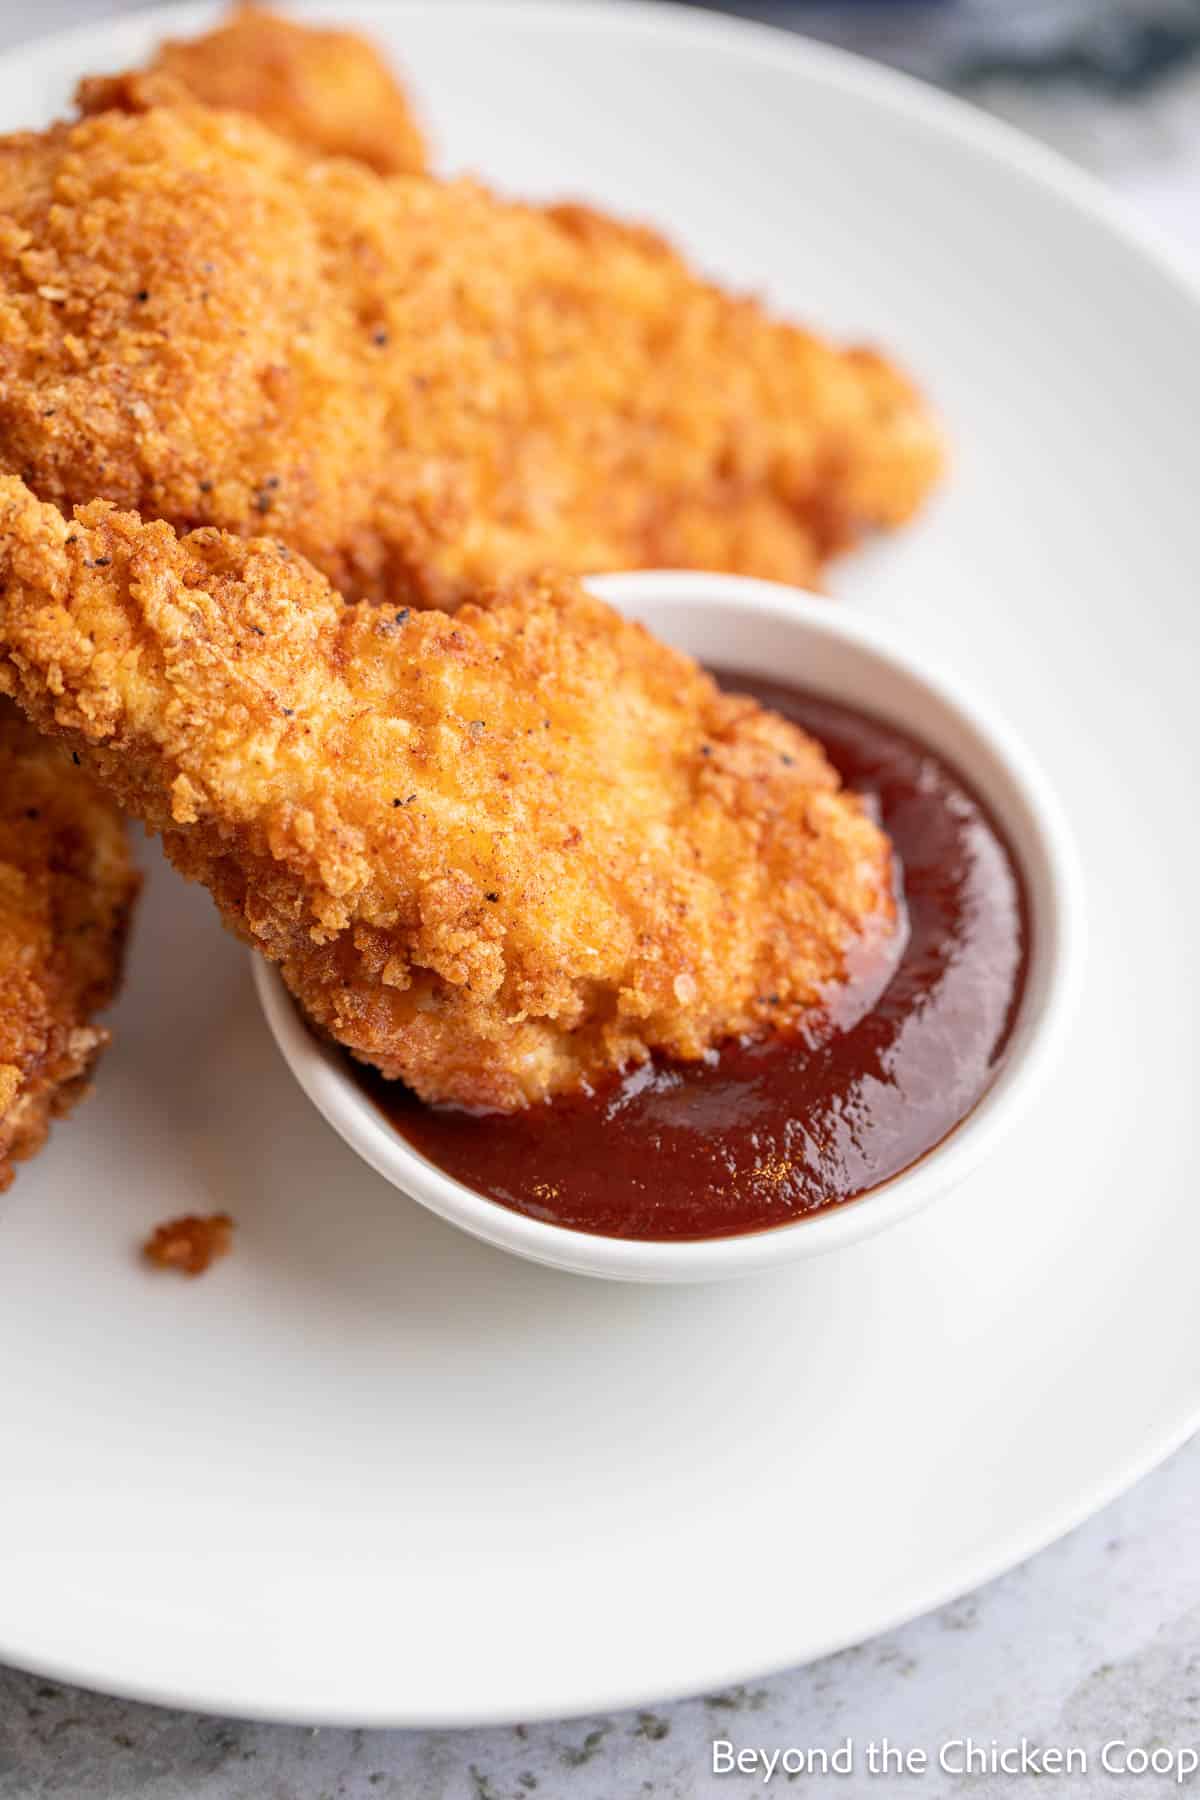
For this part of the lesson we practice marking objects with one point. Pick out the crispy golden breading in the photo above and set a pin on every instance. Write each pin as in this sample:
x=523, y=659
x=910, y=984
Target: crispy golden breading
x=495, y=854
x=328, y=91
x=67, y=887
x=418, y=386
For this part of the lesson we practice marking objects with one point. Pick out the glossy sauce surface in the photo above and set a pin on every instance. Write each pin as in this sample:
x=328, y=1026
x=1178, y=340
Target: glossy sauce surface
x=772, y=1131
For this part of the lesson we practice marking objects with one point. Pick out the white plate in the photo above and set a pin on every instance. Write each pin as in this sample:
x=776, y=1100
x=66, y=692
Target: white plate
x=371, y=1471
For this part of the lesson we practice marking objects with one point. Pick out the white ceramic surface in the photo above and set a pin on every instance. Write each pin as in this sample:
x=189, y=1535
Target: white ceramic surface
x=759, y=628
x=373, y=1471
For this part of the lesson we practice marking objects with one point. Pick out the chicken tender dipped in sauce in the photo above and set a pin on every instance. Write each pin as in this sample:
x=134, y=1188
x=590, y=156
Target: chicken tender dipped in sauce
x=498, y=854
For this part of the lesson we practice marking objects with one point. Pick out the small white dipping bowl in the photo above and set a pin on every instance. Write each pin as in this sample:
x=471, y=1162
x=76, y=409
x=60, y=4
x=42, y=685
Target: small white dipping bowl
x=758, y=628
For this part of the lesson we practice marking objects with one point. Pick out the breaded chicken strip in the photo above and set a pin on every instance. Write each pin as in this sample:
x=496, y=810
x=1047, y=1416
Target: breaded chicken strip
x=329, y=91
x=67, y=886
x=418, y=386
x=495, y=854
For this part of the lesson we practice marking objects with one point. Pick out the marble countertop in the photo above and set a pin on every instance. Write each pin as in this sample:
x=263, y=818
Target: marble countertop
x=1096, y=1639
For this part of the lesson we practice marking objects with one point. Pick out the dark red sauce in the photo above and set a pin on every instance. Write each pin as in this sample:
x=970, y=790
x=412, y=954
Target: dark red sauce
x=772, y=1131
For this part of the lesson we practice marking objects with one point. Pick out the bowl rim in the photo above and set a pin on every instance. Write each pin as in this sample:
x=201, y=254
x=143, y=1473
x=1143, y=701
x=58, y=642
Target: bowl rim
x=1031, y=1054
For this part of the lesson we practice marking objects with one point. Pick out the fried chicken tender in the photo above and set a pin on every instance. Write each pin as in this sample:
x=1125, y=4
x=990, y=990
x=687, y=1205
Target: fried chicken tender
x=328, y=91
x=495, y=854
x=418, y=386
x=67, y=887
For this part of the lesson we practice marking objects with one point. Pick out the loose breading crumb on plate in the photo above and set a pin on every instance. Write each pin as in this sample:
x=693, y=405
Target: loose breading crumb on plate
x=190, y=1243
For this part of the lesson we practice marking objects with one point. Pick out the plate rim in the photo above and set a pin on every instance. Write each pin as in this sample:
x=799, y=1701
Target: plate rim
x=957, y=121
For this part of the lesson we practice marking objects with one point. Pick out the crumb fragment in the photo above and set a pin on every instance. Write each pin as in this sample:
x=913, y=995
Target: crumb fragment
x=190, y=1243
